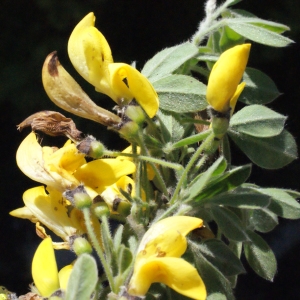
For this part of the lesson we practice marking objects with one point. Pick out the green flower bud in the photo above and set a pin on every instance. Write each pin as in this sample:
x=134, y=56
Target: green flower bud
x=96, y=149
x=135, y=113
x=82, y=200
x=129, y=129
x=101, y=209
x=81, y=245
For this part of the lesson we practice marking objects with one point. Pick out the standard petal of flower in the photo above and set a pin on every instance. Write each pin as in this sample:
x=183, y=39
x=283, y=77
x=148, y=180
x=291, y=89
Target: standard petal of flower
x=89, y=51
x=44, y=268
x=174, y=272
x=64, y=275
x=226, y=75
x=128, y=83
x=52, y=211
x=182, y=224
x=31, y=163
x=99, y=174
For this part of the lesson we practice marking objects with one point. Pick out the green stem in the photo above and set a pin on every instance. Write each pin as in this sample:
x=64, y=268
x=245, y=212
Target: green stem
x=155, y=169
x=161, y=162
x=93, y=238
x=167, y=212
x=190, y=164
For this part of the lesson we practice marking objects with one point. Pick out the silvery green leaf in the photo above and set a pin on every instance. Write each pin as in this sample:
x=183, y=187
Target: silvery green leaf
x=168, y=60
x=248, y=28
x=260, y=257
x=258, y=121
x=181, y=94
x=269, y=153
x=83, y=278
x=259, y=89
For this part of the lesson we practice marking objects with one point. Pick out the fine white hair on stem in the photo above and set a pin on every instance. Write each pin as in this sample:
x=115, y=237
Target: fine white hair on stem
x=210, y=7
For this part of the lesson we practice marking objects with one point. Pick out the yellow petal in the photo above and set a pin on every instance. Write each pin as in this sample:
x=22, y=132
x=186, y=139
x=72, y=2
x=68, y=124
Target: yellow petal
x=235, y=97
x=64, y=275
x=52, y=211
x=44, y=268
x=168, y=243
x=225, y=76
x=31, y=163
x=112, y=192
x=23, y=213
x=62, y=163
x=90, y=53
x=128, y=83
x=174, y=272
x=182, y=224
x=45, y=165
x=99, y=174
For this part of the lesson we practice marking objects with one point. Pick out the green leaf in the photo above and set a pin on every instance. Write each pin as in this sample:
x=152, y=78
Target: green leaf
x=118, y=238
x=282, y=203
x=229, y=223
x=258, y=121
x=181, y=94
x=168, y=60
x=83, y=278
x=192, y=139
x=124, y=259
x=269, y=153
x=216, y=296
x=225, y=182
x=199, y=184
x=215, y=281
x=260, y=257
x=248, y=28
x=263, y=220
x=208, y=57
x=269, y=25
x=229, y=38
x=172, y=130
x=259, y=89
x=242, y=199
x=219, y=254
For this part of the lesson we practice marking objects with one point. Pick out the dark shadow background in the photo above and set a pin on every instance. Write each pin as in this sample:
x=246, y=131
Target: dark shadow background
x=135, y=30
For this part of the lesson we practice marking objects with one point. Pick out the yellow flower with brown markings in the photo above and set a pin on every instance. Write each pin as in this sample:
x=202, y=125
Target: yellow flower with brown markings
x=91, y=56
x=158, y=259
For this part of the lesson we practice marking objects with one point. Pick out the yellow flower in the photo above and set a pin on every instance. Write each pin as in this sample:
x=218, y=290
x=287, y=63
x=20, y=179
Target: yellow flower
x=63, y=169
x=45, y=275
x=158, y=259
x=66, y=168
x=91, y=56
x=112, y=196
x=223, y=86
x=54, y=212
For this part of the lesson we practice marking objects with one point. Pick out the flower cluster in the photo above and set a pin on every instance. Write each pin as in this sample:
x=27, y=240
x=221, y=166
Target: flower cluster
x=174, y=206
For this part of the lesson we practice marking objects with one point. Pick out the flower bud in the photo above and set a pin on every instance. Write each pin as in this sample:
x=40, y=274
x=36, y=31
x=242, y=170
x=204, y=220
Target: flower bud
x=81, y=245
x=129, y=130
x=225, y=76
x=135, y=113
x=82, y=200
x=101, y=209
